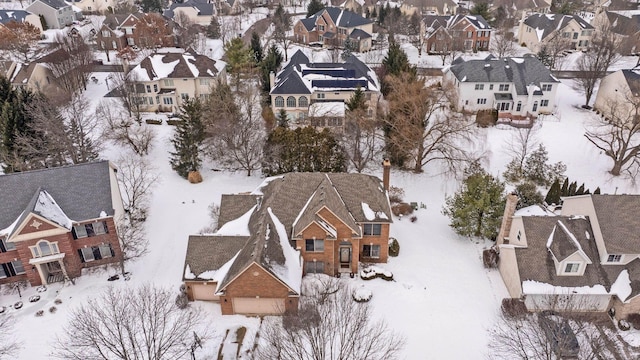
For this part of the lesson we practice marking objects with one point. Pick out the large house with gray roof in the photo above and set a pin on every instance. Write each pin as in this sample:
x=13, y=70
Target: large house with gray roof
x=518, y=88
x=310, y=92
x=56, y=13
x=197, y=11
x=585, y=258
x=55, y=222
x=291, y=225
x=332, y=27
x=568, y=32
x=446, y=33
x=625, y=26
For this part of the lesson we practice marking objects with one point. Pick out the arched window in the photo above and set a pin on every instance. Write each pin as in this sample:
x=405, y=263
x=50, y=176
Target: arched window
x=291, y=101
x=279, y=101
x=44, y=248
x=303, y=101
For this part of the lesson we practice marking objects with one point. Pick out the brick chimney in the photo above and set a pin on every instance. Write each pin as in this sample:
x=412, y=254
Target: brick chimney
x=386, y=172
x=272, y=80
x=507, y=218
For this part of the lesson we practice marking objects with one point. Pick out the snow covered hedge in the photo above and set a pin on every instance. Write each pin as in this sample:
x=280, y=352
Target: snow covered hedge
x=373, y=272
x=362, y=294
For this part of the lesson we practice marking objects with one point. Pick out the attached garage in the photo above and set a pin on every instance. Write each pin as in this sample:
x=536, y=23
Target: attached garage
x=261, y=306
x=204, y=291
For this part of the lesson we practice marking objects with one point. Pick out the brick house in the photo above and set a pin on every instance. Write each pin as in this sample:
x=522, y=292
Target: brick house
x=332, y=26
x=456, y=32
x=570, y=32
x=40, y=242
x=111, y=36
x=586, y=255
x=305, y=90
x=293, y=224
x=145, y=30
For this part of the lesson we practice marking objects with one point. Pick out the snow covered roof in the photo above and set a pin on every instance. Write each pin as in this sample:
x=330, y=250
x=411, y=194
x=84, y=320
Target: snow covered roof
x=13, y=15
x=301, y=76
x=331, y=108
x=77, y=192
x=545, y=24
x=204, y=7
x=342, y=18
x=202, y=263
x=175, y=65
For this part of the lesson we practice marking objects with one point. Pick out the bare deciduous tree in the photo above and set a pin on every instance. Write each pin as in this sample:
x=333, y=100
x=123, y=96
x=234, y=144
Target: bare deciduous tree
x=554, y=48
x=123, y=130
x=84, y=141
x=423, y=128
x=329, y=325
x=593, y=65
x=359, y=138
x=523, y=141
x=71, y=62
x=617, y=133
x=502, y=43
x=9, y=345
x=130, y=91
x=137, y=178
x=141, y=323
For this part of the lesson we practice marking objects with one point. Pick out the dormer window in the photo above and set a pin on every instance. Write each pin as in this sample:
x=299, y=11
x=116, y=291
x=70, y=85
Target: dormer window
x=572, y=268
x=614, y=258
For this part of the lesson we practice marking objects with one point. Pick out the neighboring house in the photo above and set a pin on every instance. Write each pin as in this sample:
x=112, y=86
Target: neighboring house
x=518, y=88
x=332, y=26
x=518, y=9
x=55, y=222
x=20, y=16
x=164, y=79
x=618, y=96
x=626, y=27
x=197, y=11
x=56, y=13
x=293, y=224
x=94, y=6
x=111, y=36
x=538, y=30
x=456, y=33
x=148, y=30
x=303, y=83
x=586, y=258
x=434, y=7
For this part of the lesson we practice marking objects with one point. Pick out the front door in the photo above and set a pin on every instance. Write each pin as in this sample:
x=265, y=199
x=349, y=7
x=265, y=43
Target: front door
x=345, y=258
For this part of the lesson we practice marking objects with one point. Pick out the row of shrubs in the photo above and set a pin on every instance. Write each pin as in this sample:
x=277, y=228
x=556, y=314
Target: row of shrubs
x=159, y=122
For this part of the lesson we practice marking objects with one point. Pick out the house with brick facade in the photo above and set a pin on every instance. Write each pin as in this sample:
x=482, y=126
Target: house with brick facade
x=570, y=31
x=586, y=256
x=314, y=93
x=55, y=222
x=445, y=33
x=165, y=79
x=519, y=88
x=333, y=26
x=144, y=30
x=293, y=224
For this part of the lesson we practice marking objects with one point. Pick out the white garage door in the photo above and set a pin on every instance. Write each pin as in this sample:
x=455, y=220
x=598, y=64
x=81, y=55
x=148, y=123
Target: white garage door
x=204, y=292
x=258, y=306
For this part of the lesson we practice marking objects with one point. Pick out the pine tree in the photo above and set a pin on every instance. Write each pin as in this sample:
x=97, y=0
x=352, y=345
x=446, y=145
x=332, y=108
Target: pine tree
x=239, y=58
x=482, y=9
x=564, y=191
x=528, y=195
x=553, y=196
x=213, y=30
x=151, y=6
x=396, y=61
x=597, y=191
x=580, y=190
x=313, y=7
x=572, y=188
x=476, y=209
x=374, y=13
x=283, y=119
x=357, y=100
x=545, y=58
x=271, y=63
x=256, y=47
x=188, y=138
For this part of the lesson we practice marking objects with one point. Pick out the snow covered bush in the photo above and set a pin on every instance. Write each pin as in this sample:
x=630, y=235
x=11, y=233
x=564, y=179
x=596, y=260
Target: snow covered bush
x=53, y=309
x=34, y=298
x=490, y=258
x=396, y=195
x=182, y=301
x=373, y=272
x=513, y=308
x=394, y=247
x=18, y=305
x=623, y=325
x=362, y=294
x=39, y=313
x=401, y=209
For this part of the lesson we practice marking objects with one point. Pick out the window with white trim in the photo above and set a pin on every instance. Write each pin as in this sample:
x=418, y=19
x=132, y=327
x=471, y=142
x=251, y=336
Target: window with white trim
x=372, y=229
x=17, y=267
x=572, y=268
x=320, y=96
x=479, y=87
x=544, y=103
x=614, y=258
x=6, y=246
x=371, y=251
x=314, y=245
x=504, y=87
x=314, y=267
x=279, y=101
x=291, y=101
x=482, y=101
x=89, y=230
x=44, y=248
x=87, y=254
x=167, y=100
x=303, y=101
x=168, y=82
x=547, y=87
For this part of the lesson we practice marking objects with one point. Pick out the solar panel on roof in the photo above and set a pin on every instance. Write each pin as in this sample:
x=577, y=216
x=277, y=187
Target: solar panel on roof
x=346, y=73
x=344, y=84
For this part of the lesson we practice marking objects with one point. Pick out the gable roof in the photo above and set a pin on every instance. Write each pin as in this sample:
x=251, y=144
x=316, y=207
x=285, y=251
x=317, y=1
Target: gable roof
x=175, y=65
x=81, y=192
x=342, y=18
x=201, y=263
x=623, y=23
x=476, y=20
x=55, y=4
x=438, y=4
x=522, y=72
x=300, y=76
x=7, y=16
x=114, y=21
x=203, y=7
x=632, y=76
x=545, y=24
x=619, y=222
x=521, y=4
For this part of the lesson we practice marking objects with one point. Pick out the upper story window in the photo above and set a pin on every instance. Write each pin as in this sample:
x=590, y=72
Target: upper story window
x=279, y=101
x=479, y=86
x=6, y=246
x=303, y=101
x=44, y=248
x=547, y=87
x=320, y=27
x=320, y=95
x=586, y=33
x=89, y=230
x=291, y=101
x=314, y=245
x=204, y=81
x=614, y=258
x=372, y=229
x=168, y=82
x=469, y=34
x=572, y=268
x=504, y=87
x=575, y=35
x=106, y=33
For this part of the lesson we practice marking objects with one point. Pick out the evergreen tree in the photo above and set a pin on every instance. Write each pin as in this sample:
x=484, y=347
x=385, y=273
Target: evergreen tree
x=374, y=13
x=382, y=15
x=313, y=7
x=580, y=190
x=239, y=58
x=528, y=195
x=482, y=9
x=188, y=138
x=151, y=6
x=395, y=63
x=269, y=64
x=537, y=170
x=597, y=191
x=349, y=47
x=302, y=149
x=283, y=119
x=256, y=47
x=572, y=188
x=553, y=196
x=545, y=58
x=367, y=13
x=476, y=209
x=564, y=191
x=213, y=30
x=357, y=100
